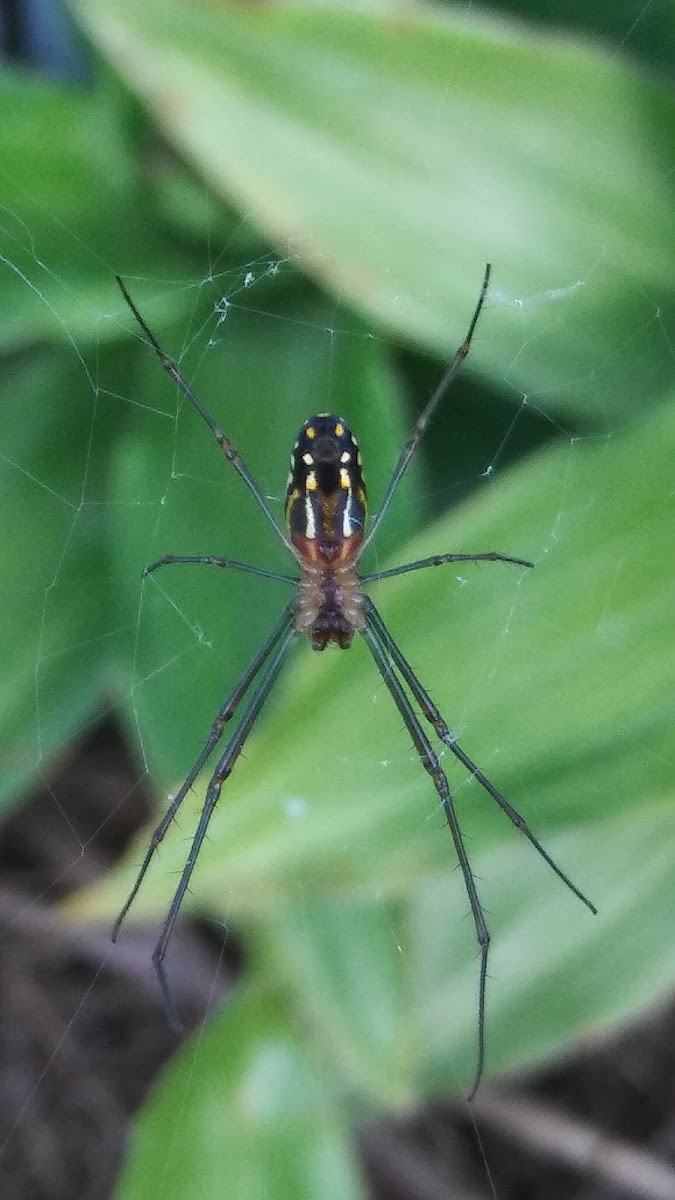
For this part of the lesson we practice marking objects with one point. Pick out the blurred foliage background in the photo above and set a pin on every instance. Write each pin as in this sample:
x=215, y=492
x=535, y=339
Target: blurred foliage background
x=302, y=199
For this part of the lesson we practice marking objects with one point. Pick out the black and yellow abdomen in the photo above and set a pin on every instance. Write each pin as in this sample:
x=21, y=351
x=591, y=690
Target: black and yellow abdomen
x=326, y=502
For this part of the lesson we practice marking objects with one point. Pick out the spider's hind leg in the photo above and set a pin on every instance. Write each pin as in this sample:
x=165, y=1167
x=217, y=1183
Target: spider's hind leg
x=431, y=763
x=221, y=773
x=224, y=715
x=431, y=713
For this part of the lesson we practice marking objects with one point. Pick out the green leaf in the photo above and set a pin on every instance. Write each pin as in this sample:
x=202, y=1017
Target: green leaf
x=80, y=416
x=395, y=157
x=70, y=213
x=52, y=557
x=247, y=1105
x=561, y=684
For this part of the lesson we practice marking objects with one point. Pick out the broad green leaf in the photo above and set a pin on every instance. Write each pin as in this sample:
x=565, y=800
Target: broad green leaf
x=354, y=995
x=644, y=34
x=561, y=684
x=247, y=1112
x=53, y=602
x=389, y=987
x=70, y=213
x=396, y=157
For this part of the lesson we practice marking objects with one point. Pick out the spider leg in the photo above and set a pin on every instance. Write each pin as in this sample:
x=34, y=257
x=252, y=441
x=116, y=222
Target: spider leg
x=437, y=560
x=224, y=715
x=431, y=763
x=221, y=773
x=215, y=561
x=432, y=715
x=428, y=411
x=228, y=448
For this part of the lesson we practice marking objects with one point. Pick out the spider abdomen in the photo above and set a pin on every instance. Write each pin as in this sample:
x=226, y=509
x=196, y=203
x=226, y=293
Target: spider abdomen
x=326, y=501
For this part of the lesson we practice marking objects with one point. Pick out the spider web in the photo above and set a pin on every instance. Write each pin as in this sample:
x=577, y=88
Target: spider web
x=167, y=490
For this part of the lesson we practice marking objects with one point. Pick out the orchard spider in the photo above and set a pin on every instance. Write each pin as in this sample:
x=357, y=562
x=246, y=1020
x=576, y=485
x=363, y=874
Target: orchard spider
x=326, y=509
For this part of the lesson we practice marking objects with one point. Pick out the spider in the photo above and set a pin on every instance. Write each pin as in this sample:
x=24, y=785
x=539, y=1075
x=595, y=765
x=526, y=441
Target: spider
x=326, y=510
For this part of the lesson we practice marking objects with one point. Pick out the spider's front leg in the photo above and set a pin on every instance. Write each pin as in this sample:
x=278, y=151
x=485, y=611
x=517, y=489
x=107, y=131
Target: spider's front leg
x=214, y=560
